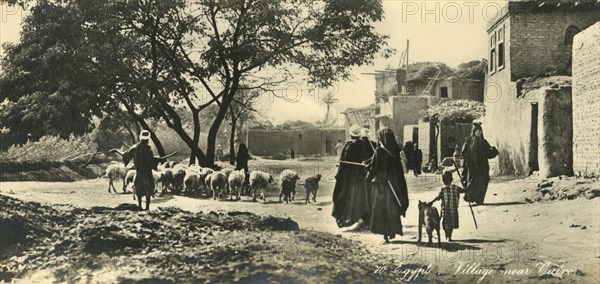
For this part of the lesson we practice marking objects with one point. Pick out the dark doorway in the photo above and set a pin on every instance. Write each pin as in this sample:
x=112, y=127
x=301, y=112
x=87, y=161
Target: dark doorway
x=328, y=148
x=415, y=135
x=533, y=138
x=443, y=92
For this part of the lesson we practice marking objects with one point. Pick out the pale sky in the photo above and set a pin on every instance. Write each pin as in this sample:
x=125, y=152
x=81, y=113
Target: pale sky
x=451, y=32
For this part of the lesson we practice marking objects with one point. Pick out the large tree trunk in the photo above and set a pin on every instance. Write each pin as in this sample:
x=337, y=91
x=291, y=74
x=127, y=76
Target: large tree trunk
x=173, y=120
x=194, y=154
x=214, y=129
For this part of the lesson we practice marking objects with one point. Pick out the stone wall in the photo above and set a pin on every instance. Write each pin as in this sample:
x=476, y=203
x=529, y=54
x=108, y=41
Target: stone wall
x=304, y=142
x=586, y=102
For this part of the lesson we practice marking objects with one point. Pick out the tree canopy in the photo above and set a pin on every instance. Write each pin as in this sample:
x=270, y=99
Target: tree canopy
x=154, y=59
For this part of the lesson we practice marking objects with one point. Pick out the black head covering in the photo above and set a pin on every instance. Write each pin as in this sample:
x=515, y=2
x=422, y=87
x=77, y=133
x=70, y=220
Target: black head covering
x=243, y=150
x=388, y=140
x=475, y=127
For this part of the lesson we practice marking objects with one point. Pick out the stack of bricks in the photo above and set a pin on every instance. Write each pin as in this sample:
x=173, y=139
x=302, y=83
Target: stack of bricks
x=586, y=101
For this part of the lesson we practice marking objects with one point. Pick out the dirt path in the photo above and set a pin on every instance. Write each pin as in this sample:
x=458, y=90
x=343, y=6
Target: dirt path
x=544, y=241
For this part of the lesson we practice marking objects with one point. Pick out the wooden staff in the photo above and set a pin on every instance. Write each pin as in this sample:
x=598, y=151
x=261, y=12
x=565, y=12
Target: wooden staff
x=156, y=157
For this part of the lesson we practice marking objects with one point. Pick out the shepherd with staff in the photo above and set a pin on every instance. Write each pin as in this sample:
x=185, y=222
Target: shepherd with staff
x=390, y=193
x=145, y=162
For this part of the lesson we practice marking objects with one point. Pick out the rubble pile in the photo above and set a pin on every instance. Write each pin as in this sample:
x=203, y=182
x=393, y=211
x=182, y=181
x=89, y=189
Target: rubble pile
x=565, y=188
x=123, y=244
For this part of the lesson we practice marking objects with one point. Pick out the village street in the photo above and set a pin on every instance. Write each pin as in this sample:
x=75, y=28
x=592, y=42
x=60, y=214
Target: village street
x=536, y=241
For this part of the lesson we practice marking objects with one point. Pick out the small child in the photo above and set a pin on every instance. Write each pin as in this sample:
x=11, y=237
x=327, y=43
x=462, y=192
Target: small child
x=449, y=196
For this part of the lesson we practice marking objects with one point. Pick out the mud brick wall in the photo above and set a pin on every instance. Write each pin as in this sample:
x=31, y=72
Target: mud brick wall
x=555, y=136
x=534, y=44
x=586, y=101
x=538, y=38
x=304, y=142
x=506, y=124
x=403, y=110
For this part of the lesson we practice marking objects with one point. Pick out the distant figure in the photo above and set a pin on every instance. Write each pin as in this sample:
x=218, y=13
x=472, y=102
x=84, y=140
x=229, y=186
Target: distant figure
x=403, y=160
x=433, y=166
x=476, y=151
x=338, y=148
x=449, y=195
x=390, y=193
x=408, y=151
x=417, y=160
x=292, y=154
x=241, y=162
x=219, y=153
x=350, y=195
x=145, y=162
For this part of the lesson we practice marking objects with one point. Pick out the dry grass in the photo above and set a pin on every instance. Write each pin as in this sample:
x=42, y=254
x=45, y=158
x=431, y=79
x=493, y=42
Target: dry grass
x=454, y=111
x=50, y=149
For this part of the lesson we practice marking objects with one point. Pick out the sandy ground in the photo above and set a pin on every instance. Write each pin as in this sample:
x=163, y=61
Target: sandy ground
x=553, y=241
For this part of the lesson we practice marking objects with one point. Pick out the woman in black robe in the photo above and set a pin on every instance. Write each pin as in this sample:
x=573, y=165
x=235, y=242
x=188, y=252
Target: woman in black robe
x=417, y=160
x=241, y=162
x=350, y=195
x=408, y=152
x=390, y=193
x=476, y=151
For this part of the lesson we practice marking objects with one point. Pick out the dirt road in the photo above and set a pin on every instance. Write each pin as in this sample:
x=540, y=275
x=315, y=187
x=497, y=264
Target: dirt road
x=516, y=241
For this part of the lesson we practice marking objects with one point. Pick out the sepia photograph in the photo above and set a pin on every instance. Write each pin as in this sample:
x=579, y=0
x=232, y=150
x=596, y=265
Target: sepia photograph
x=299, y=141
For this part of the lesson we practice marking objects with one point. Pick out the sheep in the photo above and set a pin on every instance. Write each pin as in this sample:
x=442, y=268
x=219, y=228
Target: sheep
x=288, y=185
x=129, y=178
x=113, y=172
x=192, y=180
x=218, y=183
x=204, y=173
x=166, y=178
x=155, y=178
x=227, y=171
x=178, y=176
x=311, y=185
x=259, y=180
x=235, y=182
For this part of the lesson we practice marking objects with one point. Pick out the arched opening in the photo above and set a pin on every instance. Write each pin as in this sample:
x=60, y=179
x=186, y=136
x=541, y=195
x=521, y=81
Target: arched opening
x=570, y=33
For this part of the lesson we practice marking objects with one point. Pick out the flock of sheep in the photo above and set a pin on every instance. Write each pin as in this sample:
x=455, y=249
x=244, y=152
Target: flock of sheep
x=193, y=180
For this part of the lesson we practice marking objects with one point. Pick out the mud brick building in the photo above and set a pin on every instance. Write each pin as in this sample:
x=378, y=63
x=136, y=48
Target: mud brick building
x=586, y=102
x=320, y=141
x=528, y=114
x=401, y=111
